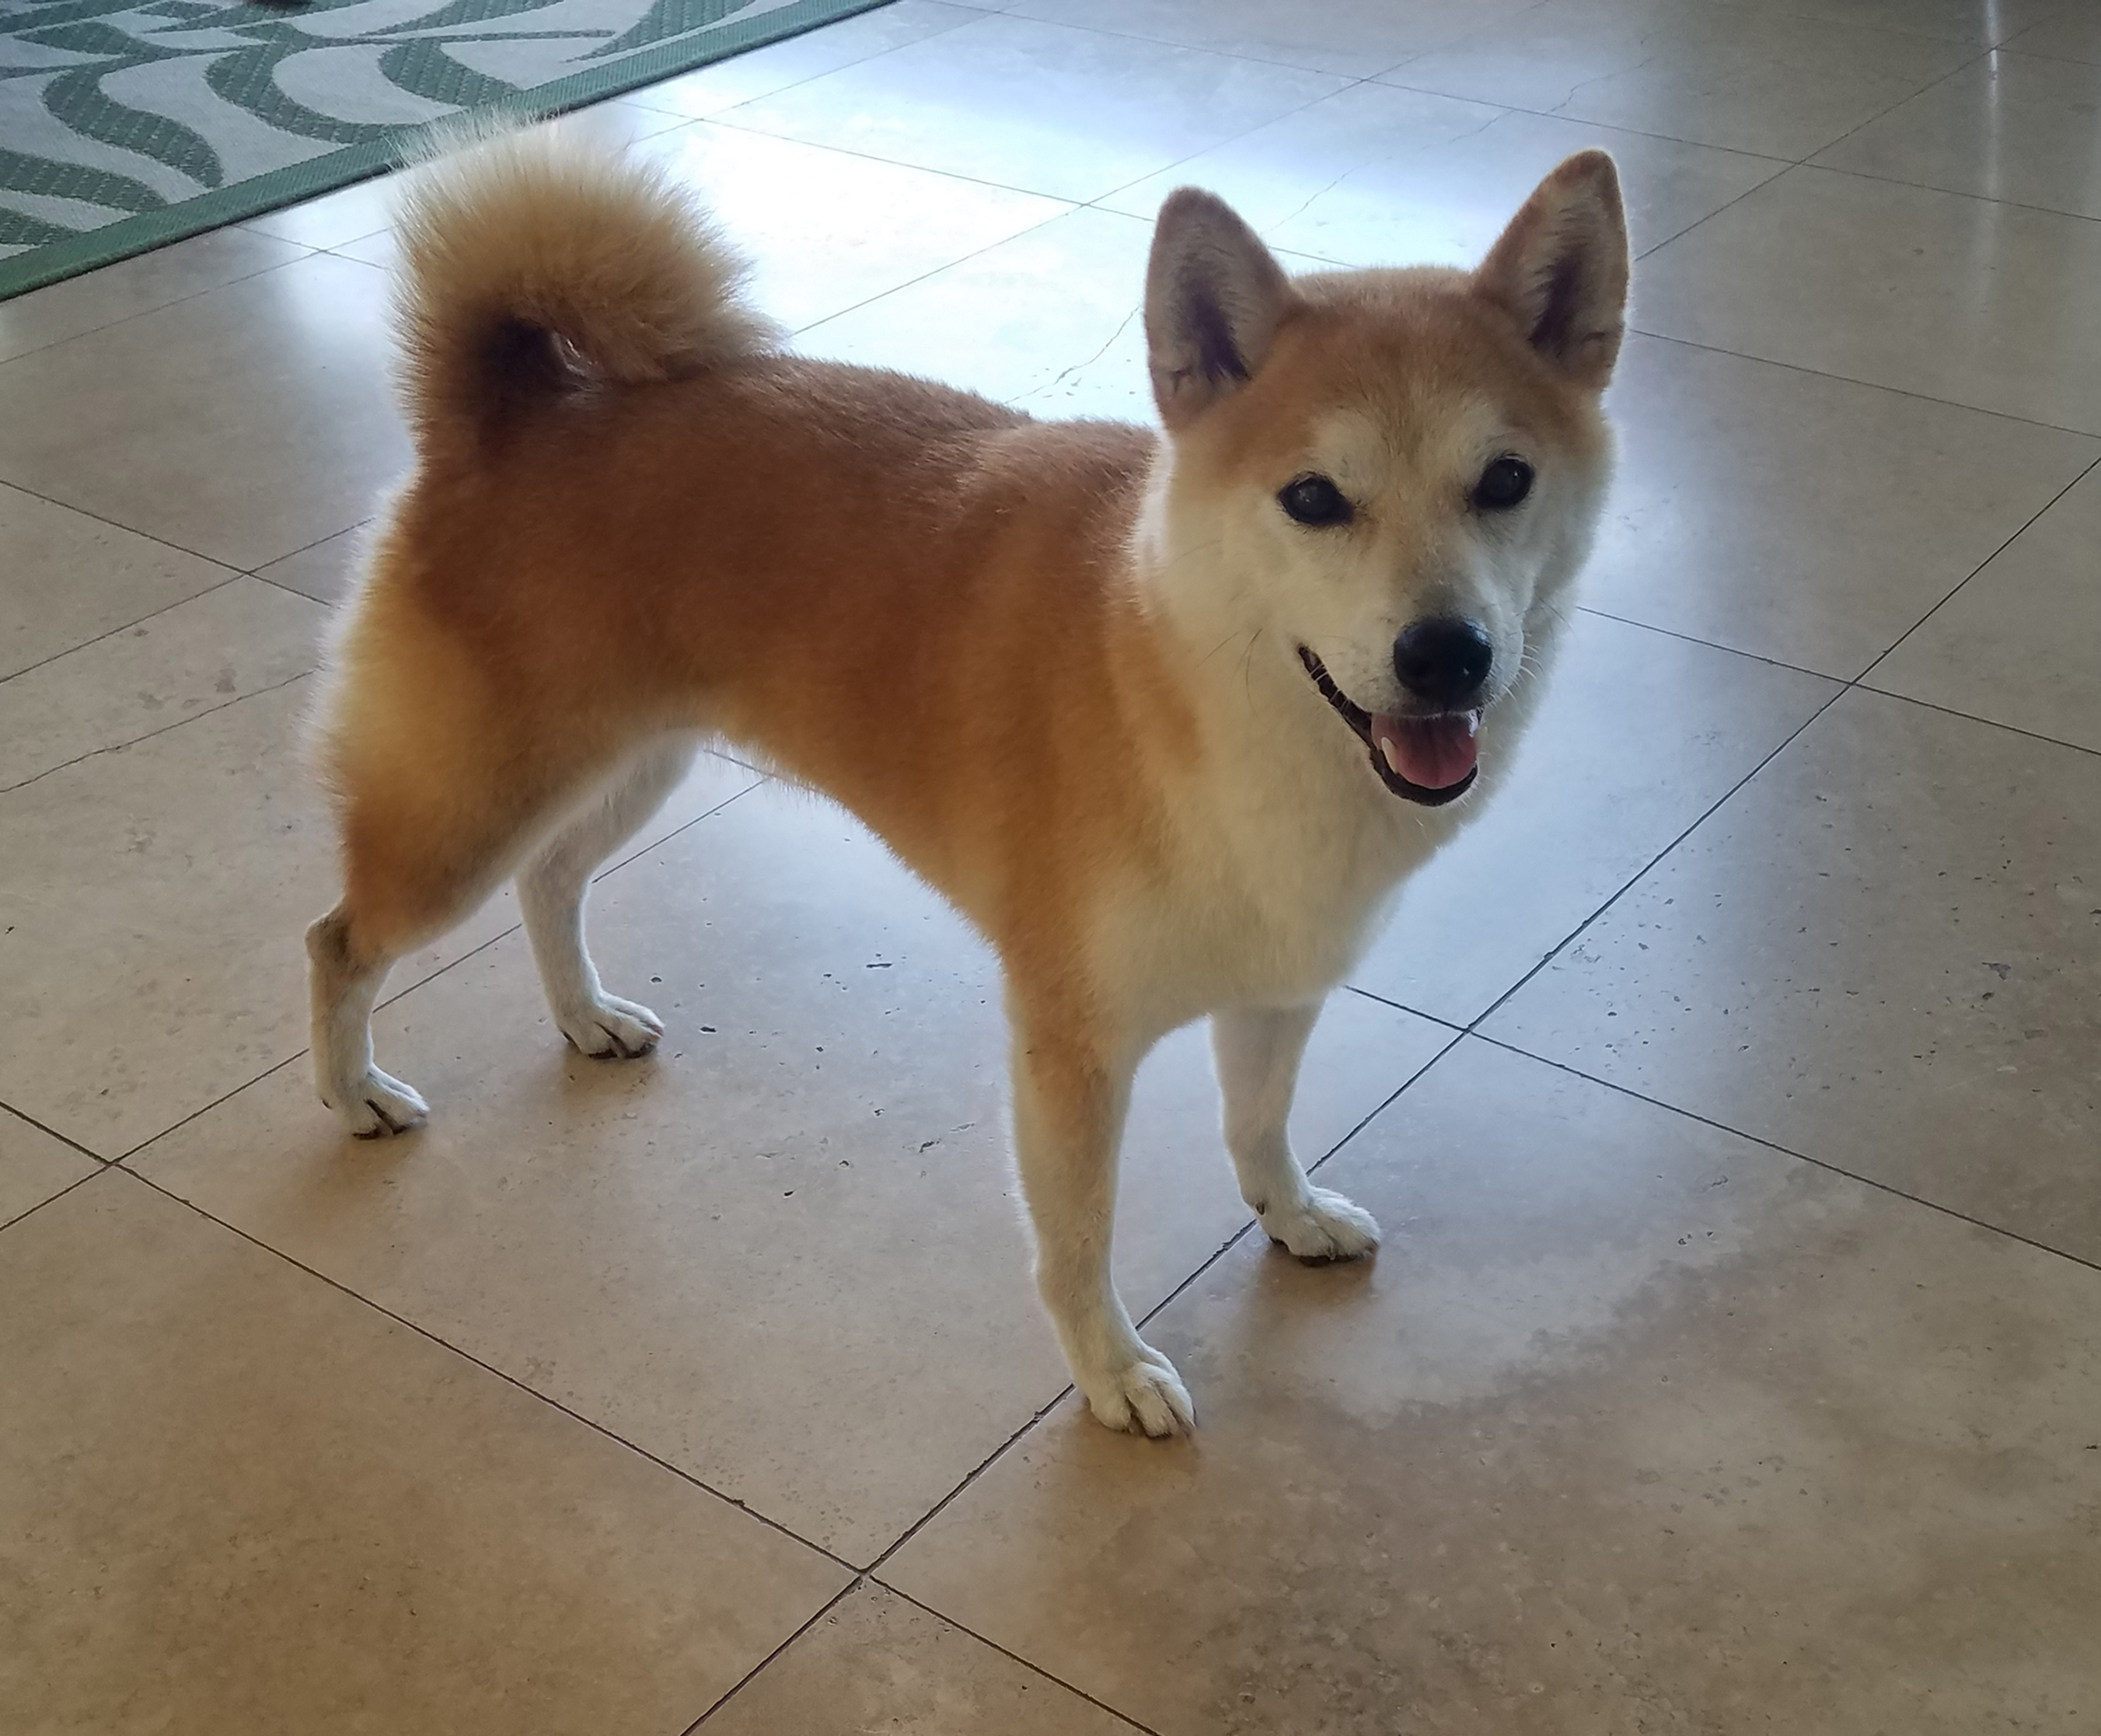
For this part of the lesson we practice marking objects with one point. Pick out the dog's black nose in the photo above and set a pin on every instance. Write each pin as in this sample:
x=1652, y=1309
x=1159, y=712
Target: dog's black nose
x=1443, y=660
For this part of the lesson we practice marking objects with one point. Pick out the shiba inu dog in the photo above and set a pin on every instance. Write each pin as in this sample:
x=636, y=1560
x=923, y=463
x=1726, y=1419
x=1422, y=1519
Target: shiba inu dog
x=1169, y=715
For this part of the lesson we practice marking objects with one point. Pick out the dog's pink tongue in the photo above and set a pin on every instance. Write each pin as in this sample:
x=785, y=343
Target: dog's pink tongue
x=1430, y=752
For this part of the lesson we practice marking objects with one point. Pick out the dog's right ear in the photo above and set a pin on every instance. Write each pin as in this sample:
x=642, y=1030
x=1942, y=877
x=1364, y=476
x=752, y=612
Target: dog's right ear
x=1214, y=296
x=1560, y=270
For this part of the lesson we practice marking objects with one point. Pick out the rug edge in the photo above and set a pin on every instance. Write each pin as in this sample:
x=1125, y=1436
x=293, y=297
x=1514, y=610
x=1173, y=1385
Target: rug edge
x=134, y=237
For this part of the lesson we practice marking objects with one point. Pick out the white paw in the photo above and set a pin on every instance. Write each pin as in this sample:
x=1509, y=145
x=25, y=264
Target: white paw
x=1145, y=1397
x=378, y=1104
x=613, y=1027
x=1322, y=1226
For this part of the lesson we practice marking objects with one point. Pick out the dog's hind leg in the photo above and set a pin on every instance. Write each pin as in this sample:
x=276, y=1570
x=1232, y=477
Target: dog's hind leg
x=344, y=978
x=1068, y=1115
x=1259, y=1050
x=418, y=854
x=554, y=885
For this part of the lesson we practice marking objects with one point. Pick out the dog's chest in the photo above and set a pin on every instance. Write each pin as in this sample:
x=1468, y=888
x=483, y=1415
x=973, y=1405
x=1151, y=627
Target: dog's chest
x=1274, y=894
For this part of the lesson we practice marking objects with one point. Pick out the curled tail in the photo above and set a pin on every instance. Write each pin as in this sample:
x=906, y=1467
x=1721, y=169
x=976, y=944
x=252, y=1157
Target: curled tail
x=534, y=266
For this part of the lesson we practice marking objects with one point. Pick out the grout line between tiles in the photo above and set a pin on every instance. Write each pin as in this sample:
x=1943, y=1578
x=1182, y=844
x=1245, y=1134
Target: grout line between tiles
x=1971, y=717
x=737, y=1686
x=123, y=1160
x=1774, y=1146
x=133, y=530
x=23, y=1115
x=278, y=1067
x=509, y=1380
x=137, y=621
x=126, y=319
x=233, y=574
x=1402, y=1006
x=1859, y=681
x=990, y=1459
x=1898, y=392
x=258, y=571
x=1952, y=192
x=1981, y=565
x=635, y=95
x=1390, y=83
x=802, y=331
x=1931, y=84
x=1036, y=1669
x=1647, y=868
x=1792, y=162
x=118, y=747
x=1694, y=638
x=724, y=119
x=9, y=1223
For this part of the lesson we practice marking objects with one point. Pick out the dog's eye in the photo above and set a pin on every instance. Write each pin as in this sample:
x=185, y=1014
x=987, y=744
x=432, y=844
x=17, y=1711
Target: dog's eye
x=1503, y=484
x=1314, y=500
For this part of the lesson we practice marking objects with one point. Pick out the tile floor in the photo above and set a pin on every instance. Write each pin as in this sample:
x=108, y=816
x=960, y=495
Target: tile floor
x=1731, y=1092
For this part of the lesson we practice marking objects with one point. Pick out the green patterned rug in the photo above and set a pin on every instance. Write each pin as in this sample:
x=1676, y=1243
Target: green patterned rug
x=127, y=124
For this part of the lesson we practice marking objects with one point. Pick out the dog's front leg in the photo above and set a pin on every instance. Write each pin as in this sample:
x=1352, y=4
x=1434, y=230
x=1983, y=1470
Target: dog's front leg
x=1068, y=1115
x=1259, y=1050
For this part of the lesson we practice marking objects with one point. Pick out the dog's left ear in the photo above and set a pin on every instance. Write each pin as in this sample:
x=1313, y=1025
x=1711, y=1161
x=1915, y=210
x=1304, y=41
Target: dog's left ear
x=1214, y=296
x=1561, y=269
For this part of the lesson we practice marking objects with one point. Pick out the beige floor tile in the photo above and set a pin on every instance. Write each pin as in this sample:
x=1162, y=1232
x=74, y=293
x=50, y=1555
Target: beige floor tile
x=2010, y=127
x=1927, y=292
x=786, y=1256
x=1071, y=113
x=1638, y=1427
x=827, y=229
x=2021, y=642
x=616, y=122
x=1648, y=730
x=698, y=95
x=1880, y=953
x=242, y=423
x=1797, y=517
x=323, y=571
x=135, y=286
x=1743, y=78
x=70, y=579
x=874, y=1663
x=348, y=214
x=1027, y=321
x=239, y=639
x=35, y=1166
x=152, y=901
x=236, y=1498
x=1354, y=37
x=1375, y=175
x=2071, y=33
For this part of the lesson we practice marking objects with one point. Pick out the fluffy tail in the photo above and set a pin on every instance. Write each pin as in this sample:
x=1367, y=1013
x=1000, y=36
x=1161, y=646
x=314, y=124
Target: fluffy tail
x=535, y=266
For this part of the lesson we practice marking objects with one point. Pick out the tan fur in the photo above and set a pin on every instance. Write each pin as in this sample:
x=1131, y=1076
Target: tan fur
x=634, y=521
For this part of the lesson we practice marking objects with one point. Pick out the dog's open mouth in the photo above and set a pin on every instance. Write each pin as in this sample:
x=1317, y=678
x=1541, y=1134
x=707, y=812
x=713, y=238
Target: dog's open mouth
x=1430, y=760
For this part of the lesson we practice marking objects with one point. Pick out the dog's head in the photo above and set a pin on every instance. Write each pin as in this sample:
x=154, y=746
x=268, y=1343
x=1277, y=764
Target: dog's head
x=1388, y=472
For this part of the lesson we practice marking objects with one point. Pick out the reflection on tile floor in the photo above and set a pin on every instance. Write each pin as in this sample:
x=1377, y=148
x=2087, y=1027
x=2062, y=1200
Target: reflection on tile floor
x=1731, y=1364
